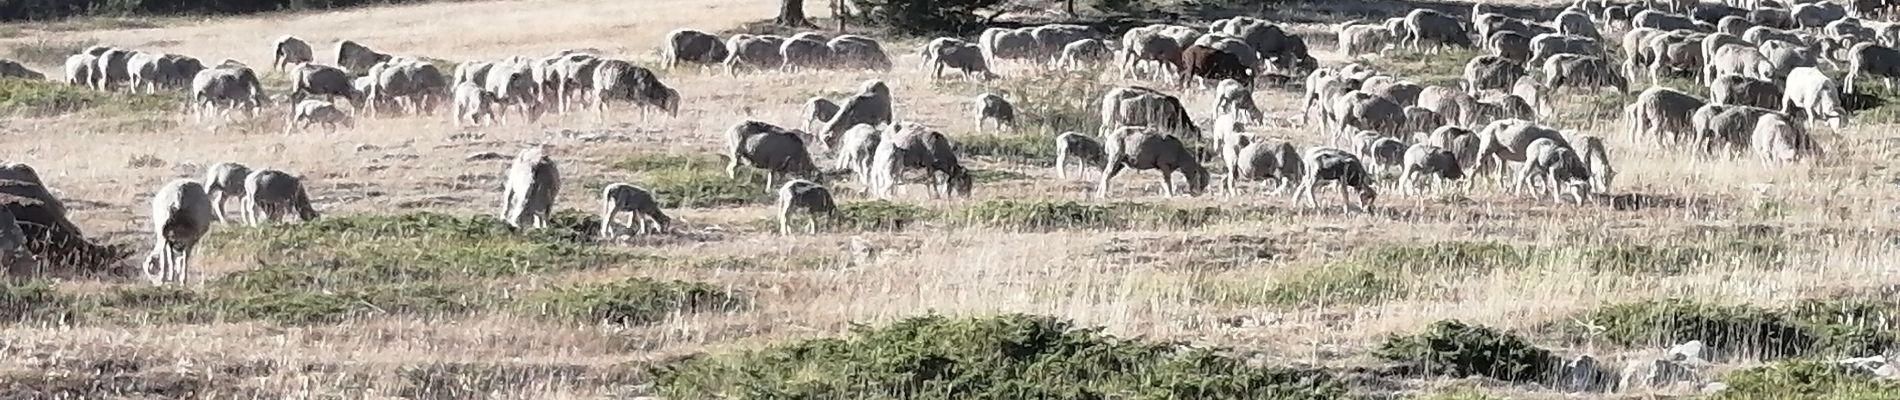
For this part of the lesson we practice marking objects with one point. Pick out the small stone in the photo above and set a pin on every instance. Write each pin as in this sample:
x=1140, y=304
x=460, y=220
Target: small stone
x=367, y=147
x=487, y=156
x=1691, y=351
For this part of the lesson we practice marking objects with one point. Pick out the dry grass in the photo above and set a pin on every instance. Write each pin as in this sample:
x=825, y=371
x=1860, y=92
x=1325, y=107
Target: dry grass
x=1185, y=283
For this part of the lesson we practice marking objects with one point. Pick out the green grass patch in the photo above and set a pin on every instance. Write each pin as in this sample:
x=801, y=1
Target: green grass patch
x=22, y=97
x=1806, y=379
x=1064, y=214
x=1034, y=149
x=636, y=301
x=1455, y=349
x=1004, y=357
x=32, y=301
x=1445, y=68
x=696, y=181
x=996, y=175
x=1822, y=328
x=878, y=215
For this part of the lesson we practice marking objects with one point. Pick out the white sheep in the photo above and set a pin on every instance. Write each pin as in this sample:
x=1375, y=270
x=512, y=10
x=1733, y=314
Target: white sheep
x=473, y=105
x=1554, y=163
x=765, y=146
x=1328, y=164
x=1775, y=139
x=1232, y=96
x=181, y=215
x=270, y=195
x=223, y=181
x=1143, y=148
x=993, y=107
x=856, y=151
x=1079, y=146
x=806, y=197
x=1661, y=110
x=872, y=105
x=634, y=200
x=1817, y=95
x=1596, y=158
x=527, y=198
x=911, y=146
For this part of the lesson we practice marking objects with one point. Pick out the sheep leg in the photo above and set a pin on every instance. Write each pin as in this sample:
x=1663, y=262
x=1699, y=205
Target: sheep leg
x=607, y=221
x=1306, y=191
x=1523, y=178
x=1345, y=201
x=1108, y=173
x=1167, y=182
x=642, y=219
x=1062, y=163
x=811, y=223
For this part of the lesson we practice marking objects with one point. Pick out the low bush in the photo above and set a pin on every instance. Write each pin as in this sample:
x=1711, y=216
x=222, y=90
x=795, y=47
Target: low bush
x=24, y=97
x=1806, y=379
x=696, y=181
x=1455, y=349
x=1004, y=357
x=1809, y=328
x=635, y=301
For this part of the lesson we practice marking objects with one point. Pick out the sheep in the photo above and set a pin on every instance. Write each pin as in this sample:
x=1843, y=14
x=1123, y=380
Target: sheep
x=754, y=51
x=1421, y=119
x=226, y=88
x=1576, y=23
x=473, y=72
x=151, y=71
x=1499, y=106
x=575, y=76
x=1079, y=146
x=534, y=182
x=473, y=105
x=1734, y=25
x=1321, y=86
x=1741, y=60
x=13, y=69
x=1488, y=24
x=872, y=105
x=1428, y=24
x=1447, y=102
x=1775, y=139
x=223, y=181
x=1139, y=106
x=1461, y=142
x=1730, y=127
x=1816, y=15
x=1282, y=51
x=1596, y=158
x=1662, y=21
x=412, y=84
x=1816, y=95
x=12, y=242
x=1361, y=110
x=1340, y=167
x=800, y=54
x=993, y=107
x=1737, y=89
x=1782, y=58
x=1554, y=162
x=1674, y=52
x=1254, y=159
x=1509, y=140
x=1635, y=49
x=1661, y=110
x=1532, y=92
x=1143, y=148
x=912, y=146
x=111, y=68
x=637, y=202
x=288, y=50
x=1234, y=97
x=270, y=195
x=807, y=197
x=777, y=150
x=954, y=53
x=856, y=151
x=819, y=109
x=81, y=69
x=1511, y=46
x=1588, y=71
x=853, y=51
x=322, y=80
x=1550, y=44
x=513, y=86
x=1424, y=161
x=1083, y=52
x=692, y=46
x=357, y=58
x=1385, y=152
x=313, y=111
x=619, y=80
x=1208, y=63
x=1010, y=44
x=1873, y=60
x=181, y=215
x=1151, y=47
x=1764, y=34
x=1405, y=93
x=1490, y=72
x=1357, y=40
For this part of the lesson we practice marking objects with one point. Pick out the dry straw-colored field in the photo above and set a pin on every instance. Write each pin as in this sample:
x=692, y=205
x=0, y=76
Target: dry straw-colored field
x=1254, y=276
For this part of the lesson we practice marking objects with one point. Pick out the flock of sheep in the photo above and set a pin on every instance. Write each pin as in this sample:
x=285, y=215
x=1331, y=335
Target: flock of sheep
x=1765, y=66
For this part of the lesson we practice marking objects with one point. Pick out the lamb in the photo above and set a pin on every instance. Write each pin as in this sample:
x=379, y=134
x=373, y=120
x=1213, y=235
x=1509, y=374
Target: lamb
x=1816, y=95
x=807, y=197
x=1737, y=89
x=1873, y=60
x=322, y=80
x=953, y=53
x=992, y=107
x=1428, y=24
x=1596, y=159
x=1341, y=167
x=758, y=51
x=1233, y=97
x=691, y=46
x=1554, y=163
x=1143, y=148
x=856, y=151
x=1083, y=52
x=1385, y=152
x=1661, y=110
x=223, y=181
x=527, y=198
x=1490, y=72
x=1775, y=139
x=289, y=50
x=357, y=58
x=181, y=215
x=1080, y=146
x=1255, y=159
x=912, y=146
x=872, y=105
x=1424, y=161
x=619, y=80
x=313, y=111
x=777, y=150
x=819, y=109
x=473, y=105
x=270, y=195
x=1209, y=63
x=634, y=200
x=1589, y=71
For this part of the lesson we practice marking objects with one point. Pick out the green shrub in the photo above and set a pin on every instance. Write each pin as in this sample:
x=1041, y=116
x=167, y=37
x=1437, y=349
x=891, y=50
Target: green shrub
x=1809, y=328
x=635, y=301
x=1806, y=380
x=1004, y=357
x=1452, y=348
x=878, y=215
x=696, y=181
x=1444, y=68
x=24, y=97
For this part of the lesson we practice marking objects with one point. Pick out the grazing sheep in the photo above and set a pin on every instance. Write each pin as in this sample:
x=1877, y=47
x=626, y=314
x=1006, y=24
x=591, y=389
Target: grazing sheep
x=1742, y=60
x=226, y=88
x=853, y=51
x=1151, y=47
x=955, y=53
x=1729, y=128
x=322, y=80
x=357, y=58
x=111, y=69
x=1205, y=62
x=1355, y=40
x=412, y=84
x=1873, y=60
x=574, y=77
x=1734, y=25
x=634, y=200
x=1510, y=45
x=872, y=105
x=1079, y=146
x=1674, y=52
x=856, y=151
x=1083, y=52
x=1142, y=148
x=1636, y=49
x=313, y=111
x=1490, y=72
x=1737, y=89
x=1441, y=29
x=993, y=107
x=1010, y=44
x=801, y=54
x=1340, y=167
x=1447, y=102
x=289, y=50
x=1509, y=140
x=1662, y=21
x=12, y=242
x=473, y=72
x=223, y=181
x=81, y=69
x=527, y=198
x=1461, y=142
x=1423, y=161
x=819, y=109
x=1596, y=158
x=151, y=71
x=1405, y=93
x=1385, y=152
x=181, y=214
x=1321, y=85
x=1816, y=95
x=807, y=197
x=1764, y=34
x=913, y=146
x=619, y=80
x=1550, y=44
x=473, y=105
x=271, y=195
x=693, y=46
x=1532, y=92
x=1576, y=23
x=1234, y=97
x=1554, y=163
x=754, y=51
x=1816, y=15
x=13, y=69
x=1587, y=71
x=512, y=85
x=1255, y=159
x=1782, y=58
x=1500, y=106
x=1775, y=139
x=1421, y=119
x=778, y=151
x=1365, y=111
x=1661, y=110
x=1139, y=106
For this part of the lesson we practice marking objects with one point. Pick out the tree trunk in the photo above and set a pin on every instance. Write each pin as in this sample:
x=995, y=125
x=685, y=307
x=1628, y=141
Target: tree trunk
x=792, y=13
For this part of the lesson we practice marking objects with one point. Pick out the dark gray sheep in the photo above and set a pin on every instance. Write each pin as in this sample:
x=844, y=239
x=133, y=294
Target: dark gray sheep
x=819, y=109
x=1586, y=71
x=226, y=88
x=1663, y=114
x=776, y=150
x=1079, y=146
x=1873, y=60
x=223, y=181
x=1558, y=166
x=1257, y=159
x=692, y=46
x=1430, y=25
x=871, y=106
x=181, y=215
x=528, y=196
x=1490, y=72
x=619, y=80
x=323, y=80
x=911, y=146
x=1742, y=90
x=1511, y=45
x=805, y=197
x=853, y=51
x=1327, y=164
x=993, y=107
x=271, y=195
x=288, y=50
x=1550, y=44
x=1425, y=161
x=754, y=51
x=357, y=58
x=955, y=53
x=1143, y=149
x=636, y=201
